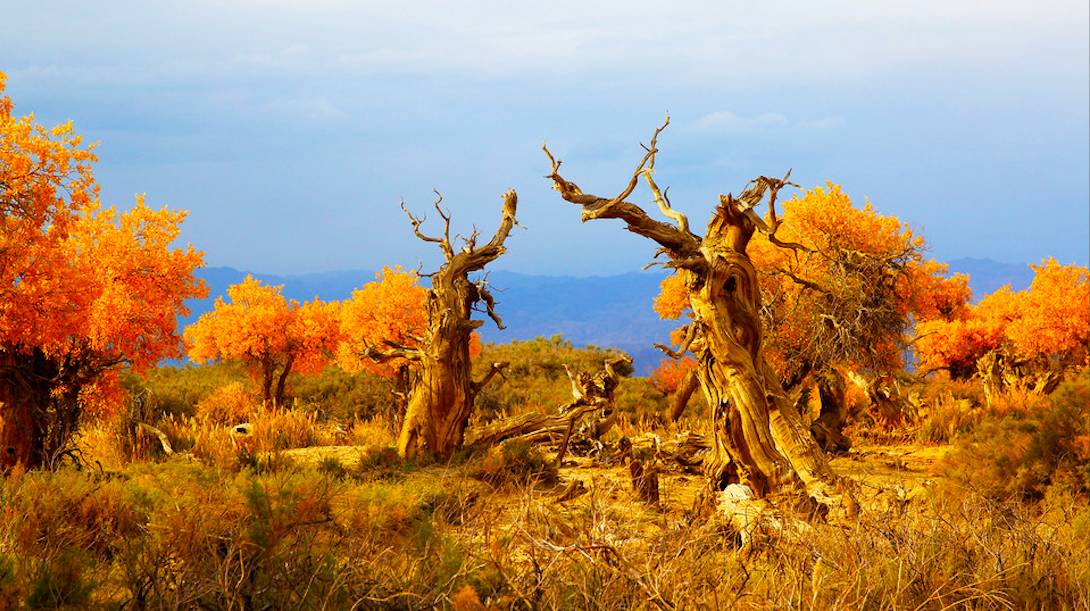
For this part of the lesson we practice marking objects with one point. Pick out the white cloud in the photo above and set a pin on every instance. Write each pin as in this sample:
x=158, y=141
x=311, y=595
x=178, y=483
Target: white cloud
x=696, y=41
x=729, y=122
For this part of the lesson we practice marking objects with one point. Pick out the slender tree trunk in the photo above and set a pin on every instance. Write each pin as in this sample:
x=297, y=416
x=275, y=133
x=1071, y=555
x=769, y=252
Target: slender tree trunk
x=282, y=380
x=267, y=375
x=681, y=396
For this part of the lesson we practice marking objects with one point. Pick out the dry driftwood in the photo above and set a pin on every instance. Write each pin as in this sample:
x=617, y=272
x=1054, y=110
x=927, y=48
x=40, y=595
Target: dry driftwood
x=592, y=394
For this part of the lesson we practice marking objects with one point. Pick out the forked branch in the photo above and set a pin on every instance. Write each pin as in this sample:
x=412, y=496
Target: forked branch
x=484, y=296
x=473, y=258
x=690, y=335
x=751, y=198
x=678, y=243
x=417, y=222
x=495, y=369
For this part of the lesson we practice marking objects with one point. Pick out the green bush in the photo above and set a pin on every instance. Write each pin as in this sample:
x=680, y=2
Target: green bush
x=176, y=391
x=344, y=396
x=534, y=379
x=1022, y=453
x=514, y=462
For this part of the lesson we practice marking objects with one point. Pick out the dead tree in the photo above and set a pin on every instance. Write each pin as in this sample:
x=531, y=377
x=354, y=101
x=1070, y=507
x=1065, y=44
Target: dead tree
x=592, y=395
x=760, y=439
x=828, y=392
x=443, y=392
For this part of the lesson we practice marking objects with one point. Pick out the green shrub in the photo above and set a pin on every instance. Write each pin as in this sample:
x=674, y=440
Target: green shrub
x=514, y=462
x=177, y=390
x=1022, y=453
x=534, y=379
x=344, y=396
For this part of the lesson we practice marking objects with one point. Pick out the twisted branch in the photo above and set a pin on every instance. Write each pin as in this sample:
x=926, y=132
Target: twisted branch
x=678, y=243
x=690, y=335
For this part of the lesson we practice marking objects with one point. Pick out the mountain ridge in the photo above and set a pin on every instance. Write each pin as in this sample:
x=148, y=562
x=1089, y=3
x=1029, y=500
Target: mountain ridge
x=613, y=311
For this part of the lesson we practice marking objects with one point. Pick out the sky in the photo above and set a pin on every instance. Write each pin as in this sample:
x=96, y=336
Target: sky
x=292, y=130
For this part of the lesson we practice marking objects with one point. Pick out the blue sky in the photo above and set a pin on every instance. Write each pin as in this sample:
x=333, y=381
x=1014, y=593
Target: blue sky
x=291, y=130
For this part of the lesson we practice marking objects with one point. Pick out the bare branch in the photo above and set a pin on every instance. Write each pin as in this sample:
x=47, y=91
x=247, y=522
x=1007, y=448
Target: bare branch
x=443, y=242
x=489, y=302
x=690, y=335
x=804, y=282
x=394, y=351
x=443, y=215
x=750, y=198
x=495, y=369
x=663, y=200
x=647, y=163
x=621, y=359
x=678, y=243
x=473, y=258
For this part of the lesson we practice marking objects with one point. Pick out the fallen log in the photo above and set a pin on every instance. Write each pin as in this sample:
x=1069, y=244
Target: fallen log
x=533, y=427
x=591, y=393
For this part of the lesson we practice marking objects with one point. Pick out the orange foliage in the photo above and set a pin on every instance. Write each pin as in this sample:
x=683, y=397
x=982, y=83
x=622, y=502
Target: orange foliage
x=272, y=335
x=673, y=298
x=391, y=308
x=858, y=262
x=82, y=286
x=667, y=376
x=1049, y=322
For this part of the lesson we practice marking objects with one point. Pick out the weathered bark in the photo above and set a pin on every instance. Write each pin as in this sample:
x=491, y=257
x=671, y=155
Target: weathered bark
x=1001, y=373
x=760, y=439
x=281, y=382
x=443, y=392
x=644, y=478
x=267, y=380
x=531, y=426
x=592, y=394
x=681, y=396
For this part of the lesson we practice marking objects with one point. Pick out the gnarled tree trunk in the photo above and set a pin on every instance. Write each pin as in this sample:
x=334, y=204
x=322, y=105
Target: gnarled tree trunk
x=832, y=414
x=760, y=439
x=443, y=392
x=1000, y=373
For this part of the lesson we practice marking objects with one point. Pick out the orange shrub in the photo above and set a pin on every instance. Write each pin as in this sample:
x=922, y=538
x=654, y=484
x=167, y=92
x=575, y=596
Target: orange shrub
x=228, y=405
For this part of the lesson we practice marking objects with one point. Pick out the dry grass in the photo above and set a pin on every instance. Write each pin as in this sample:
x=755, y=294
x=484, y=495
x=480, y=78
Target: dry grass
x=383, y=533
x=303, y=513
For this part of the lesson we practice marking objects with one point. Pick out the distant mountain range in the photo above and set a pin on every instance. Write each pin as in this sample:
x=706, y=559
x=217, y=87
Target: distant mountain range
x=985, y=275
x=612, y=311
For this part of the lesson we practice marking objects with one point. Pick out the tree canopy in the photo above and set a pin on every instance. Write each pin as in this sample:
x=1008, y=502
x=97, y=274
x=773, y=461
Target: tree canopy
x=272, y=335
x=1016, y=338
x=83, y=288
x=846, y=289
